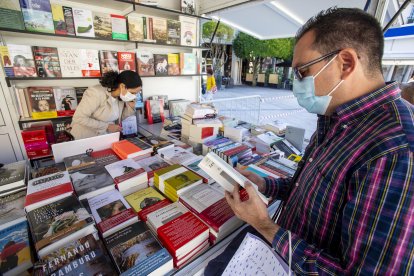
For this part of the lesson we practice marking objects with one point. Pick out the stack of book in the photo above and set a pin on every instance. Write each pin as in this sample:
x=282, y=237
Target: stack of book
x=132, y=148
x=151, y=164
x=13, y=177
x=177, y=155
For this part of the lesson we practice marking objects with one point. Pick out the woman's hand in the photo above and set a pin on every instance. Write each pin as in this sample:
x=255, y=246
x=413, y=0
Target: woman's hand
x=113, y=128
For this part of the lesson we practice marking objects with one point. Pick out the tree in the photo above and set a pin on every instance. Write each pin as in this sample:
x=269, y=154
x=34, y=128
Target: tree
x=217, y=48
x=255, y=50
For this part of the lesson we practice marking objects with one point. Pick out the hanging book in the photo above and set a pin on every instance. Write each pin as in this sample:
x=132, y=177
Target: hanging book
x=90, y=63
x=174, y=32
x=173, y=64
x=119, y=28
x=47, y=62
x=161, y=65
x=11, y=16
x=126, y=61
x=83, y=22
x=42, y=102
x=159, y=29
x=70, y=24
x=22, y=58
x=37, y=15
x=108, y=61
x=65, y=98
x=70, y=62
x=59, y=19
x=145, y=61
x=188, y=6
x=102, y=25
x=136, y=28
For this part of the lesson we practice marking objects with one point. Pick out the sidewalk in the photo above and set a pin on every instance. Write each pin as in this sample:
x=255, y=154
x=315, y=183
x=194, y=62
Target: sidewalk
x=278, y=105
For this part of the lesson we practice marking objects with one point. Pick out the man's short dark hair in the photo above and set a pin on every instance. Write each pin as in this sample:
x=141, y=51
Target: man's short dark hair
x=339, y=28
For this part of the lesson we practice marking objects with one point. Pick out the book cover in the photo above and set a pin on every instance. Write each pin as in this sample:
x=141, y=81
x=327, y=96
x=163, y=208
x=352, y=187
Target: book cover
x=83, y=22
x=159, y=31
x=104, y=157
x=161, y=65
x=22, y=58
x=124, y=169
x=146, y=201
x=42, y=102
x=57, y=220
x=12, y=173
x=117, y=221
x=106, y=205
x=188, y=31
x=174, y=32
x=12, y=207
x=188, y=63
x=126, y=61
x=47, y=187
x=178, y=107
x=173, y=64
x=91, y=180
x=58, y=19
x=70, y=62
x=6, y=61
x=15, y=249
x=152, y=164
x=145, y=61
x=131, y=148
x=102, y=25
x=140, y=144
x=108, y=61
x=84, y=256
x=119, y=27
x=129, y=125
x=37, y=15
x=155, y=111
x=177, y=182
x=136, y=28
x=47, y=62
x=136, y=247
x=65, y=98
x=48, y=170
x=90, y=63
x=188, y=6
x=178, y=155
x=79, y=93
x=11, y=16
x=157, y=143
x=70, y=24
x=166, y=214
x=78, y=162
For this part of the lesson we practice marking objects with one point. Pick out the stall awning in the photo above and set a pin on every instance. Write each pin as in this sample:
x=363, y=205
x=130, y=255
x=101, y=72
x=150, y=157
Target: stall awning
x=265, y=19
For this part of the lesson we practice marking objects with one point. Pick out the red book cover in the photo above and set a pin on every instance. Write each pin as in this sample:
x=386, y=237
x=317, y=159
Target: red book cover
x=207, y=132
x=126, y=61
x=178, y=263
x=126, y=176
x=180, y=231
x=115, y=220
x=48, y=193
x=143, y=214
x=34, y=135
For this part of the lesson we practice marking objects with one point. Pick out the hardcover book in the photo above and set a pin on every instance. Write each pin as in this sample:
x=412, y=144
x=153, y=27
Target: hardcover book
x=12, y=207
x=106, y=205
x=135, y=248
x=174, y=32
x=37, y=15
x=119, y=27
x=83, y=22
x=102, y=25
x=136, y=28
x=90, y=63
x=146, y=201
x=145, y=61
x=65, y=98
x=42, y=102
x=22, y=58
x=15, y=249
x=188, y=31
x=11, y=16
x=108, y=61
x=173, y=64
x=159, y=31
x=126, y=61
x=91, y=182
x=13, y=175
x=70, y=62
x=47, y=62
x=84, y=256
x=78, y=162
x=58, y=19
x=57, y=220
x=70, y=24
x=161, y=65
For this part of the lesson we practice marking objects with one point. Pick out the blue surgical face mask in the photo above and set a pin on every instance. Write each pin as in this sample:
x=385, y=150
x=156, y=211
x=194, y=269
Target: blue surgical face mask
x=304, y=91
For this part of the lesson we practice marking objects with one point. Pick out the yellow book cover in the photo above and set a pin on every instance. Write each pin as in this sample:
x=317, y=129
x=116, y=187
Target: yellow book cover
x=181, y=180
x=5, y=56
x=173, y=64
x=164, y=171
x=58, y=19
x=144, y=198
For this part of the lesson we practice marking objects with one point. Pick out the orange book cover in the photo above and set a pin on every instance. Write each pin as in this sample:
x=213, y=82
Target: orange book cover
x=124, y=148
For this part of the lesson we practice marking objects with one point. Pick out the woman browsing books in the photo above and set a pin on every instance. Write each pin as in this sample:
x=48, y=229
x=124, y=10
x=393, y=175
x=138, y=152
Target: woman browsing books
x=105, y=105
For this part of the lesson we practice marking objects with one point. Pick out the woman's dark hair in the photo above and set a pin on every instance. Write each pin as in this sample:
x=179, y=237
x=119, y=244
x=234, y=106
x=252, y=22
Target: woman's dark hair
x=112, y=80
x=209, y=71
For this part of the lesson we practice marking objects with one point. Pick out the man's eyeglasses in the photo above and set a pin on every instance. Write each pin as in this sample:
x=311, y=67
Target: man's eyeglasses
x=296, y=70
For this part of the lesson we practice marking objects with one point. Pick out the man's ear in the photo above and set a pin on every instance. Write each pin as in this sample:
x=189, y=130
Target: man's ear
x=349, y=60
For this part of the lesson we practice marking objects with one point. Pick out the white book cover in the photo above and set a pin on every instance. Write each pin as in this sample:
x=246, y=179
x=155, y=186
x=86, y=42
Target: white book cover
x=48, y=181
x=177, y=155
x=106, y=205
x=188, y=31
x=200, y=197
x=70, y=62
x=129, y=125
x=269, y=138
x=90, y=63
x=152, y=163
x=162, y=216
x=22, y=59
x=83, y=22
x=66, y=102
x=122, y=167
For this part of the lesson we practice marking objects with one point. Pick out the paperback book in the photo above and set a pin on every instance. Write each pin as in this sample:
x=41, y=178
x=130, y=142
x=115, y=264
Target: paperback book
x=107, y=205
x=188, y=31
x=58, y=19
x=78, y=162
x=128, y=175
x=11, y=16
x=152, y=164
x=173, y=64
x=6, y=61
x=119, y=27
x=159, y=31
x=47, y=62
x=174, y=32
x=70, y=24
x=108, y=61
x=102, y=25
x=41, y=102
x=65, y=98
x=136, y=27
x=126, y=61
x=12, y=207
x=91, y=182
x=146, y=201
x=70, y=62
x=188, y=63
x=83, y=22
x=155, y=111
x=90, y=63
x=145, y=60
x=79, y=93
x=161, y=65
x=188, y=6
x=22, y=58
x=37, y=15
x=13, y=176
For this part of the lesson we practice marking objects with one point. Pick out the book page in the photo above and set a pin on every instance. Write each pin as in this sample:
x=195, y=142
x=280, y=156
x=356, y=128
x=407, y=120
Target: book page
x=255, y=257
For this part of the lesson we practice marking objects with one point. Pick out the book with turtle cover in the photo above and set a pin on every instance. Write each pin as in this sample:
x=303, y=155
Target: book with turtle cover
x=136, y=27
x=59, y=19
x=65, y=98
x=145, y=60
x=70, y=24
x=70, y=62
x=37, y=15
x=83, y=22
x=42, y=102
x=57, y=220
x=161, y=65
x=47, y=62
x=174, y=32
x=11, y=16
x=78, y=162
x=84, y=256
x=136, y=251
x=21, y=57
x=108, y=61
x=92, y=181
x=159, y=30
x=102, y=25
x=173, y=64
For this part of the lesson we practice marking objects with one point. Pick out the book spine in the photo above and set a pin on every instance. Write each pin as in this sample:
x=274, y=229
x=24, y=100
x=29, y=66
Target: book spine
x=115, y=220
x=145, y=27
x=151, y=28
x=17, y=102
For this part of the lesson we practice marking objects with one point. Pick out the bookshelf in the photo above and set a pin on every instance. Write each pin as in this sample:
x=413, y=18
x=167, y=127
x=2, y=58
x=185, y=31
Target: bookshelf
x=23, y=121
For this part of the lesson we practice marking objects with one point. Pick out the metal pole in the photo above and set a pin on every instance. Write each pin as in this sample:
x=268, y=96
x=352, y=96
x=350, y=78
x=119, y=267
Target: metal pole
x=400, y=10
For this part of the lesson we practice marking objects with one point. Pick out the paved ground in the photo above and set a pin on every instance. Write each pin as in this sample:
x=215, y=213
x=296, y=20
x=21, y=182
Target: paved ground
x=277, y=104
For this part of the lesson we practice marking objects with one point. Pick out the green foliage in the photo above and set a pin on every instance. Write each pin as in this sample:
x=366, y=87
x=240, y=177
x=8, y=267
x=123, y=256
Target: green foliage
x=224, y=33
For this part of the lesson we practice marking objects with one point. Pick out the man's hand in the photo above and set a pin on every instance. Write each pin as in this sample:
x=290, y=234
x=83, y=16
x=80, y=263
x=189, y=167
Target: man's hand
x=253, y=211
x=256, y=179
x=114, y=128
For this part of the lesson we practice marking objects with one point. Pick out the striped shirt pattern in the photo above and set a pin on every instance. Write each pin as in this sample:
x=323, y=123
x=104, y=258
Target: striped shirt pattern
x=350, y=205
